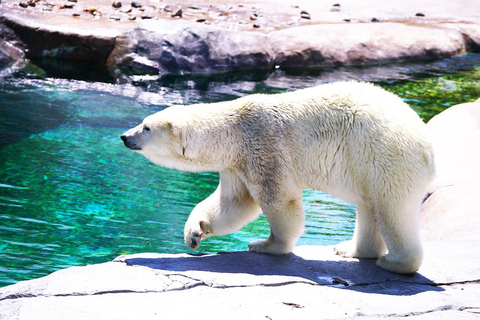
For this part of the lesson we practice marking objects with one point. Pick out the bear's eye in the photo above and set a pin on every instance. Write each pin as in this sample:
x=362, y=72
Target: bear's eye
x=146, y=128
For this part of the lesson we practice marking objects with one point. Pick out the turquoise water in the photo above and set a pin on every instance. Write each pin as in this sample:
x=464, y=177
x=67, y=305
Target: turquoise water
x=72, y=194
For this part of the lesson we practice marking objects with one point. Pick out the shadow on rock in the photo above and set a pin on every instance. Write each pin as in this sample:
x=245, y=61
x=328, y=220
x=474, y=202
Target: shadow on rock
x=354, y=274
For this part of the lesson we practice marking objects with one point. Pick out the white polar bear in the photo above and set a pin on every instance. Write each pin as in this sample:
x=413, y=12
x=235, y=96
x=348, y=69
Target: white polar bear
x=353, y=140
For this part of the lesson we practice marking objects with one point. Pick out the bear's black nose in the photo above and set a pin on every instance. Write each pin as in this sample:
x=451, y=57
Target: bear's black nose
x=129, y=144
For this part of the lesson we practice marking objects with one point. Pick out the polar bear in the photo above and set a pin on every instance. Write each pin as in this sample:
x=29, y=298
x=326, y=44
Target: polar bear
x=353, y=140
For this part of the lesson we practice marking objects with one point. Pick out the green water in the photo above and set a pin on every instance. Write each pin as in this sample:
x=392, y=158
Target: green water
x=72, y=194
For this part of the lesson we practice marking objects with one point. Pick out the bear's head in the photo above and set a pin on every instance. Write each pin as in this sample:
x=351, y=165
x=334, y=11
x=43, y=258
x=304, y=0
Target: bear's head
x=202, y=137
x=158, y=139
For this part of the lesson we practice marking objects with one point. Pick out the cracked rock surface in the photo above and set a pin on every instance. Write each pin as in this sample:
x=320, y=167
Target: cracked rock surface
x=310, y=283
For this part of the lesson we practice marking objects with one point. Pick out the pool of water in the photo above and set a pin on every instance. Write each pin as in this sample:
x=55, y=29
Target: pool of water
x=72, y=194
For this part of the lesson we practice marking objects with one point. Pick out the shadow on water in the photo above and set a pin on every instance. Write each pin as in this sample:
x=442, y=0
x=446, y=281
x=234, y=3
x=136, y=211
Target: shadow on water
x=73, y=69
x=20, y=118
x=360, y=275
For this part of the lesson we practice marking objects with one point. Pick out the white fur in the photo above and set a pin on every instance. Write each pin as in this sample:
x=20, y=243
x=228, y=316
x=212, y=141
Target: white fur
x=353, y=140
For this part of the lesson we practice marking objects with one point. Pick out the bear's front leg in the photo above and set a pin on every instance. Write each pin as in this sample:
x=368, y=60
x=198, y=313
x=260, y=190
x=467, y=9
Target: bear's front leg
x=287, y=221
x=197, y=228
x=225, y=211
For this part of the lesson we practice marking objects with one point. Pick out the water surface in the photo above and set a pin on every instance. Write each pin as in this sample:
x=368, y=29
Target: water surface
x=72, y=194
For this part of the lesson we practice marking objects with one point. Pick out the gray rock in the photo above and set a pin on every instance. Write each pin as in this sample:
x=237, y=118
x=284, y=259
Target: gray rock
x=341, y=44
x=136, y=4
x=51, y=38
x=471, y=33
x=159, y=46
x=305, y=15
x=11, y=47
x=447, y=213
x=252, y=285
x=187, y=46
x=178, y=13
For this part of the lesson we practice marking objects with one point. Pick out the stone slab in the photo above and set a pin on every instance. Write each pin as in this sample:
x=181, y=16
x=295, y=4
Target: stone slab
x=296, y=301
x=364, y=43
x=312, y=279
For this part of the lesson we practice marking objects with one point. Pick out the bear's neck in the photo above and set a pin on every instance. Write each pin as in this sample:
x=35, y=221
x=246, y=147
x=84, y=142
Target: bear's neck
x=209, y=144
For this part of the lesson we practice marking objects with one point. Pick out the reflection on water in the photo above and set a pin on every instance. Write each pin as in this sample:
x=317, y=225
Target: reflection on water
x=72, y=194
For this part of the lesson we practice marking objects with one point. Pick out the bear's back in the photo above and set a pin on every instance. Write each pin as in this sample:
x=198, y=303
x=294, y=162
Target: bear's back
x=337, y=131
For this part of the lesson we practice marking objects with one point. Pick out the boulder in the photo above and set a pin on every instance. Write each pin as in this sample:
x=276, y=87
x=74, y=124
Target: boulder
x=50, y=38
x=162, y=46
x=471, y=33
x=11, y=47
x=448, y=211
x=363, y=43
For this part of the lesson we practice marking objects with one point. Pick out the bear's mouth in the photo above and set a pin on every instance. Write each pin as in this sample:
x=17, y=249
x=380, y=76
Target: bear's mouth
x=129, y=144
x=134, y=147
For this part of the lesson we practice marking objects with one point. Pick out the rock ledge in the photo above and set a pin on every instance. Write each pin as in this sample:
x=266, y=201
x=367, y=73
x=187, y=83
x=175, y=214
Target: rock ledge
x=164, y=43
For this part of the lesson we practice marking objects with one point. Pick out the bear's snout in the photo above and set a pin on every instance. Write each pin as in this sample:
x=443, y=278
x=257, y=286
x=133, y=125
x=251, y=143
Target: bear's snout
x=129, y=144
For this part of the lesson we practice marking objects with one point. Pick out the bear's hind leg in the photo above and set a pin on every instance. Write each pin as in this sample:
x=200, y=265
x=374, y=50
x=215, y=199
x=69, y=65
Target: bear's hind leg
x=367, y=242
x=287, y=222
x=402, y=237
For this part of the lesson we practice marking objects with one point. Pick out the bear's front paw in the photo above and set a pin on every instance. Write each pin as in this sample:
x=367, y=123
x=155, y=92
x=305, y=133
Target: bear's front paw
x=195, y=233
x=193, y=240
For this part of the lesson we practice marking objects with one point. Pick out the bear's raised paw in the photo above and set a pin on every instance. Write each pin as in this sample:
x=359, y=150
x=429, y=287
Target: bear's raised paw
x=195, y=232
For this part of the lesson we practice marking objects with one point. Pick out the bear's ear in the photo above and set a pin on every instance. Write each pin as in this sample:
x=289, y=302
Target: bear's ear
x=176, y=131
x=177, y=134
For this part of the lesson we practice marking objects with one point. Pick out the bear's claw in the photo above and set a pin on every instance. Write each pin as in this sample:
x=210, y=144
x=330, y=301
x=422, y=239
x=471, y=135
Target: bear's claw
x=193, y=243
x=196, y=232
x=194, y=240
